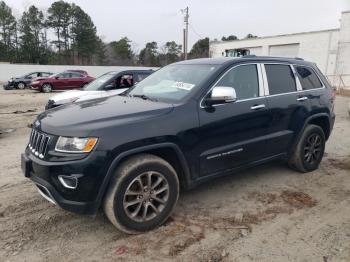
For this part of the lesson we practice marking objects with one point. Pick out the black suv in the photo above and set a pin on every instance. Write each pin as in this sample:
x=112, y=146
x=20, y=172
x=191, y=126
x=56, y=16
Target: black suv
x=187, y=123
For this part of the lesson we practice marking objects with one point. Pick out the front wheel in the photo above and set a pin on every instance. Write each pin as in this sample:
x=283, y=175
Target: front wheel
x=309, y=150
x=21, y=85
x=142, y=194
x=46, y=88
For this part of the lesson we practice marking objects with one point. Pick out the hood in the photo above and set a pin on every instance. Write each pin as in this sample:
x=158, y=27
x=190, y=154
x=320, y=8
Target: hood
x=82, y=95
x=67, y=95
x=82, y=118
x=15, y=78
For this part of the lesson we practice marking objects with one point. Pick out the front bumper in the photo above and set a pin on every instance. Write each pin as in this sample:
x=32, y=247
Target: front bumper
x=35, y=87
x=84, y=199
x=9, y=86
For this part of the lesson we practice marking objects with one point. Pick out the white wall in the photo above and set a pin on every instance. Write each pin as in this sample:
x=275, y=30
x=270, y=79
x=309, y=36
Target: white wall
x=343, y=55
x=9, y=70
x=313, y=46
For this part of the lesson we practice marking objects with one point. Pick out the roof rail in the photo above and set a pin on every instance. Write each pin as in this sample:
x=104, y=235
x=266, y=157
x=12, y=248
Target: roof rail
x=249, y=56
x=299, y=58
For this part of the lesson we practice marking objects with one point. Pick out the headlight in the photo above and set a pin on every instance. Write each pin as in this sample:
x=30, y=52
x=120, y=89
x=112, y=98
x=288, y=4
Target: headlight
x=35, y=82
x=75, y=144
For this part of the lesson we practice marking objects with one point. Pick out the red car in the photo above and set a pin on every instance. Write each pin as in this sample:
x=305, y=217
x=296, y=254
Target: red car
x=73, y=79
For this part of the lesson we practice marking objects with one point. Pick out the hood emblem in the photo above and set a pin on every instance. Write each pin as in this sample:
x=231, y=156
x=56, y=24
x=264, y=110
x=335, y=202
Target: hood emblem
x=37, y=123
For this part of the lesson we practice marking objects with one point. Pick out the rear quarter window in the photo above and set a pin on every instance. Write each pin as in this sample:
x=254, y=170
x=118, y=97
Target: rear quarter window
x=308, y=78
x=280, y=79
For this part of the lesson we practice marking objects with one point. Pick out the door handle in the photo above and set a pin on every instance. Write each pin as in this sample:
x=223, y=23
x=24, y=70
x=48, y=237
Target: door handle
x=257, y=107
x=303, y=98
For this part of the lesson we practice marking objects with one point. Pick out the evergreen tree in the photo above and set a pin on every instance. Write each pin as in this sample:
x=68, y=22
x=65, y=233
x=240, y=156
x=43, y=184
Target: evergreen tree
x=59, y=20
x=149, y=55
x=85, y=41
x=33, y=48
x=122, y=53
x=171, y=53
x=200, y=49
x=8, y=34
x=229, y=38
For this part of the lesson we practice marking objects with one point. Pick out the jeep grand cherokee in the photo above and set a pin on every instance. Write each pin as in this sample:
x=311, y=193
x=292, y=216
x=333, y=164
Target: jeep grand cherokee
x=187, y=123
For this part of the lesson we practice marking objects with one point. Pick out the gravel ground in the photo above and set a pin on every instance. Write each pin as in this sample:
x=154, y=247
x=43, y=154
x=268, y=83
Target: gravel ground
x=268, y=213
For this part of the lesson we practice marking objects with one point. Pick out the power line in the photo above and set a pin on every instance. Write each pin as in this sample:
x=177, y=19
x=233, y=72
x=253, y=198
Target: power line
x=194, y=31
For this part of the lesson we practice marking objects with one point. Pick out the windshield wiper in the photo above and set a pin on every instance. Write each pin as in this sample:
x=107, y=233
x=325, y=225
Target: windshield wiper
x=144, y=97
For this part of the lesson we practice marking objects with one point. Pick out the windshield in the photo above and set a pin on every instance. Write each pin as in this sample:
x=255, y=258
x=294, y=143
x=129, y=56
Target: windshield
x=173, y=83
x=100, y=82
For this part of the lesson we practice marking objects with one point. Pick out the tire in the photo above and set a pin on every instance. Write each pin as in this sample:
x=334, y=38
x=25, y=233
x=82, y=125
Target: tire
x=304, y=160
x=21, y=85
x=46, y=88
x=128, y=178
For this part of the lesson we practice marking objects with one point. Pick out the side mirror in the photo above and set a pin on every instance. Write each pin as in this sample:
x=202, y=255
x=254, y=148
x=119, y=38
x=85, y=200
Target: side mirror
x=221, y=95
x=57, y=77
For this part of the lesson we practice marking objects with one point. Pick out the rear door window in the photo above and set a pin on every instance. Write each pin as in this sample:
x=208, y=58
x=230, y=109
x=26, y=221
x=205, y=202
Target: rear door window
x=64, y=75
x=280, y=79
x=76, y=75
x=308, y=78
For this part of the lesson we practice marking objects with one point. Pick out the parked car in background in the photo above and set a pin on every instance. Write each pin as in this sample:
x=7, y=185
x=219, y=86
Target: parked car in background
x=62, y=81
x=83, y=72
x=111, y=83
x=24, y=81
x=187, y=123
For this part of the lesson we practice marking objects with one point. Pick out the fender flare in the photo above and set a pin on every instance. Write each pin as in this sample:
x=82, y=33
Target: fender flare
x=120, y=157
x=307, y=121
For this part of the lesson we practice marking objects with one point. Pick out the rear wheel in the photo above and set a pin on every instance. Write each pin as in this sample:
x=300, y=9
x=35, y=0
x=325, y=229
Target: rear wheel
x=46, y=88
x=142, y=194
x=21, y=85
x=309, y=150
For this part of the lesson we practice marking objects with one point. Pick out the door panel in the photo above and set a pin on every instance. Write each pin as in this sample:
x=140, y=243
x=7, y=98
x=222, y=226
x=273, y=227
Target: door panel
x=232, y=135
x=289, y=107
x=76, y=80
x=62, y=83
x=288, y=116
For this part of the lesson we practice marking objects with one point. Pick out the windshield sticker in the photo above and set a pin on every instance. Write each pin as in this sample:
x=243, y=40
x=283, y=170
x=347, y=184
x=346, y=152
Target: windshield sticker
x=184, y=86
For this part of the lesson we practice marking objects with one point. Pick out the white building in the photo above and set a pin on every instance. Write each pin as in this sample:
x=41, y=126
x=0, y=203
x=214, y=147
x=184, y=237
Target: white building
x=329, y=49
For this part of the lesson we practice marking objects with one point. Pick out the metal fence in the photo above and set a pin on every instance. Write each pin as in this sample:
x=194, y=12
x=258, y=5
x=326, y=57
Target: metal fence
x=340, y=81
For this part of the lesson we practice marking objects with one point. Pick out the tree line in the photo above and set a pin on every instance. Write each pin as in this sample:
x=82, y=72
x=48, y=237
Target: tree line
x=65, y=34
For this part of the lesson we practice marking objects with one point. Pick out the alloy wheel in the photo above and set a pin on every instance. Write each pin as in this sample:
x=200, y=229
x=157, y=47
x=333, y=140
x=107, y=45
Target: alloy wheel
x=21, y=86
x=47, y=88
x=146, y=196
x=312, y=148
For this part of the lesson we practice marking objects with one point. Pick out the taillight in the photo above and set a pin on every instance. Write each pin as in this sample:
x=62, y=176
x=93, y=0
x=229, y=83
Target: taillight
x=333, y=94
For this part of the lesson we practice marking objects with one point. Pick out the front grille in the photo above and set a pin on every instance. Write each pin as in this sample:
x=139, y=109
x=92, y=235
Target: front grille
x=38, y=143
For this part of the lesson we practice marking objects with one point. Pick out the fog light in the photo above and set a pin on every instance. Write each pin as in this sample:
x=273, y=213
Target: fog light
x=70, y=182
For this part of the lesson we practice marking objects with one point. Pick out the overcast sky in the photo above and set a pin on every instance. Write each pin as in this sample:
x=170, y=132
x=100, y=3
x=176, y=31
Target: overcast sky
x=161, y=20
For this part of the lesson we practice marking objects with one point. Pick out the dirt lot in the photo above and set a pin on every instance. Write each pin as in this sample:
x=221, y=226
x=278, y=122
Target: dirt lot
x=268, y=213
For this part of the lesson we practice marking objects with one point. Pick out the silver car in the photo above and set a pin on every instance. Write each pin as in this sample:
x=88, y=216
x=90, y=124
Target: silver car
x=111, y=83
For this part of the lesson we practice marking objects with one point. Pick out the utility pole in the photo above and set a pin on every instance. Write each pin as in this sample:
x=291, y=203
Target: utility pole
x=185, y=31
